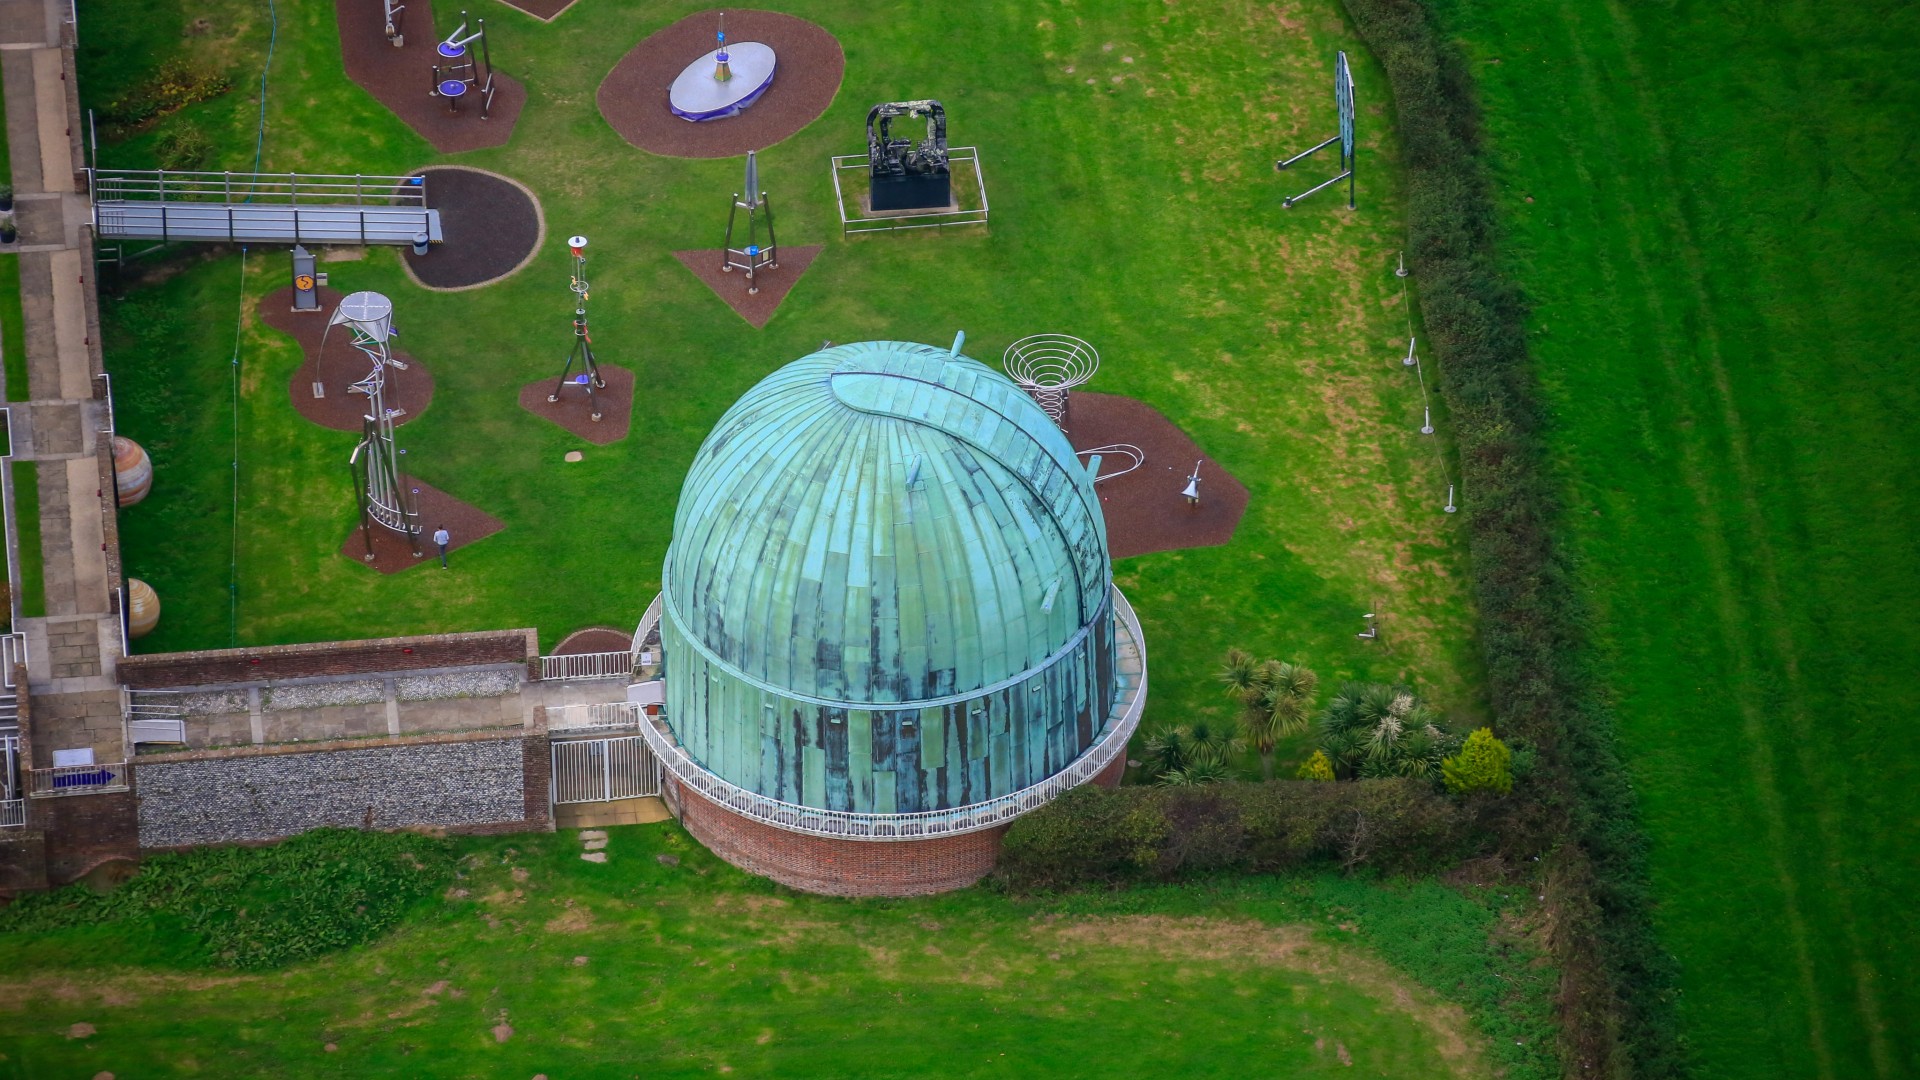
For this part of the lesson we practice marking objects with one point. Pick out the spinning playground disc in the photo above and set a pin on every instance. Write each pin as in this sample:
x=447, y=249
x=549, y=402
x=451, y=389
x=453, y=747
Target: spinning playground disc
x=696, y=94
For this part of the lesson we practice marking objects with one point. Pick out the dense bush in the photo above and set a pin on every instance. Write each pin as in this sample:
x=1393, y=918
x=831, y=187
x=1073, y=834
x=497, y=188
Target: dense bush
x=263, y=907
x=1095, y=836
x=1483, y=764
x=1616, y=981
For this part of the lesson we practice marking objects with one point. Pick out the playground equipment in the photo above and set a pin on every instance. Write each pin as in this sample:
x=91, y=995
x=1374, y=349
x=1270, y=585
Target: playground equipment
x=1046, y=366
x=723, y=82
x=753, y=258
x=464, y=71
x=380, y=488
x=1133, y=455
x=132, y=471
x=393, y=30
x=1343, y=106
x=582, y=350
x=1191, y=492
x=903, y=174
x=261, y=208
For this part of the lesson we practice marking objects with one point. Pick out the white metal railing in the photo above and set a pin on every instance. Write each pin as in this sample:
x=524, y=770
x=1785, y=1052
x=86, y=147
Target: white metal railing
x=77, y=779
x=910, y=219
x=648, y=621
x=601, y=770
x=13, y=813
x=167, y=185
x=13, y=650
x=593, y=665
x=611, y=715
x=848, y=825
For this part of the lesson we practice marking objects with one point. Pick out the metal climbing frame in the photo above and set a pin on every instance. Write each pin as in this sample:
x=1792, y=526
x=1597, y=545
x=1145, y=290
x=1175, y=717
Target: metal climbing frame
x=261, y=208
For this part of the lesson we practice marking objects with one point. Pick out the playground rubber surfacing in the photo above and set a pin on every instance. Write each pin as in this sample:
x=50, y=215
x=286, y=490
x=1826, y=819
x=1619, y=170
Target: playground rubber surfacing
x=1144, y=509
x=339, y=366
x=492, y=227
x=633, y=97
x=399, y=78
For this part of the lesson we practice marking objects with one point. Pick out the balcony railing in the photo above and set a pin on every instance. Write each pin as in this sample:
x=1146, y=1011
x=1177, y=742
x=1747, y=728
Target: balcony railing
x=610, y=716
x=77, y=779
x=848, y=825
x=13, y=813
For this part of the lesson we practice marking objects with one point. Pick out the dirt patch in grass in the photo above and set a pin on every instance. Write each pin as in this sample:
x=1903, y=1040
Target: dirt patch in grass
x=1144, y=508
x=1223, y=941
x=574, y=409
x=465, y=524
x=333, y=362
x=808, y=67
x=731, y=286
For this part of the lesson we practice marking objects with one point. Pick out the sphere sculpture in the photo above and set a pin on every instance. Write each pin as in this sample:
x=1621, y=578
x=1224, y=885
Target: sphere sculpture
x=132, y=470
x=888, y=593
x=143, y=608
x=1048, y=365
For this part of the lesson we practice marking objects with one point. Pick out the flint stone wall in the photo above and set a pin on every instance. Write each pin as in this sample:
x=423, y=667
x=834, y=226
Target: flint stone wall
x=266, y=796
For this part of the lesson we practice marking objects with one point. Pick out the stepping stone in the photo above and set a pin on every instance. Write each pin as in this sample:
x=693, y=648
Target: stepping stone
x=595, y=845
x=595, y=856
x=593, y=834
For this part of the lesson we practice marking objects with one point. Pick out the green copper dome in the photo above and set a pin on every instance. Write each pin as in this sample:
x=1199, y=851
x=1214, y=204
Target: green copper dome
x=888, y=587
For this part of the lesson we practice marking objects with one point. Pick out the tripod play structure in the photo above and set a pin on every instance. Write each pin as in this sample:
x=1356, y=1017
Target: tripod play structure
x=582, y=351
x=394, y=31
x=752, y=258
x=461, y=70
x=903, y=174
x=1343, y=106
x=724, y=82
x=379, y=486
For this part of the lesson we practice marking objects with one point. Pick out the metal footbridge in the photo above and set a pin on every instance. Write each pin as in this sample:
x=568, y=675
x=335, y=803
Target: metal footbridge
x=261, y=208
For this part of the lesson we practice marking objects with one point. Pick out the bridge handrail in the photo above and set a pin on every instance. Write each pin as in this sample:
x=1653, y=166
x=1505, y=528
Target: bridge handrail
x=169, y=185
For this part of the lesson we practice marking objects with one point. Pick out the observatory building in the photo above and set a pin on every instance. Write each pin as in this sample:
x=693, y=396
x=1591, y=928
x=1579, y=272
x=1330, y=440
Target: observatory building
x=887, y=623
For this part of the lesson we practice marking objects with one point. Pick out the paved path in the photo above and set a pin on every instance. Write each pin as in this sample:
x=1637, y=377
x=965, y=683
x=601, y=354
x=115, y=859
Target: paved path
x=61, y=433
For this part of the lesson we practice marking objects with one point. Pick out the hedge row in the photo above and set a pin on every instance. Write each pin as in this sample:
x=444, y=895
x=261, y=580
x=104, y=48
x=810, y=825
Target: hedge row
x=1617, y=1019
x=1092, y=835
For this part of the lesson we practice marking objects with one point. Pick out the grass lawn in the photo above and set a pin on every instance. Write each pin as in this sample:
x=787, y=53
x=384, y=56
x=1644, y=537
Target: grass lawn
x=1128, y=151
x=687, y=967
x=1713, y=208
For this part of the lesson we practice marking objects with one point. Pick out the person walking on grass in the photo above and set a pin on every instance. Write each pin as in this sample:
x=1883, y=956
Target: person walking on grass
x=442, y=538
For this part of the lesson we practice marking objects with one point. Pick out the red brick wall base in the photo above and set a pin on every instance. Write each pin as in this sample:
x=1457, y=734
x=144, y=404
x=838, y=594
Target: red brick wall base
x=817, y=864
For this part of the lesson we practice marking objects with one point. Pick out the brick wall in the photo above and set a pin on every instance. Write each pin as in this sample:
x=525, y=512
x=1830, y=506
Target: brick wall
x=837, y=867
x=464, y=783
x=214, y=667
x=83, y=831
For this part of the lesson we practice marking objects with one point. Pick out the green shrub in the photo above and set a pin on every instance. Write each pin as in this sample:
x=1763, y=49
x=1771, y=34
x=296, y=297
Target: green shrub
x=1483, y=764
x=255, y=908
x=1317, y=767
x=184, y=147
x=1095, y=836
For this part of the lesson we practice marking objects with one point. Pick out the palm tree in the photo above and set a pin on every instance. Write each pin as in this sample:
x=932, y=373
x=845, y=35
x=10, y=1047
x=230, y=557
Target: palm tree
x=1276, y=700
x=1196, y=774
x=1168, y=750
x=1379, y=730
x=1213, y=742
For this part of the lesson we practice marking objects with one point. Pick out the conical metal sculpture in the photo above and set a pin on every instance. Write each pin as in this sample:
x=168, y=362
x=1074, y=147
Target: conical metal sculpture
x=752, y=258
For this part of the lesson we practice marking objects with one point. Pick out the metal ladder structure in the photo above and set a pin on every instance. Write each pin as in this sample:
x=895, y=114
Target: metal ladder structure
x=261, y=208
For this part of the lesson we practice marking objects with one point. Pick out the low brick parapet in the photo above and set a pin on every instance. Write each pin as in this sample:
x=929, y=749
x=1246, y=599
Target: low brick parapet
x=376, y=656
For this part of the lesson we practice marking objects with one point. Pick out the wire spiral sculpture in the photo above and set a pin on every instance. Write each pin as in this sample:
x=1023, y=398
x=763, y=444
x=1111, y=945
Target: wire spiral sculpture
x=1048, y=365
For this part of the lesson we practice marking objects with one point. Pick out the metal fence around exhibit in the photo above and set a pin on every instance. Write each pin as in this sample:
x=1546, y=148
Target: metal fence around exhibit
x=910, y=219
x=602, y=770
x=848, y=825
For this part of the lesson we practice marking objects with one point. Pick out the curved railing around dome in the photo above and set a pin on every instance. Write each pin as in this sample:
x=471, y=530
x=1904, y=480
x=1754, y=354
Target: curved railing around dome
x=927, y=824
